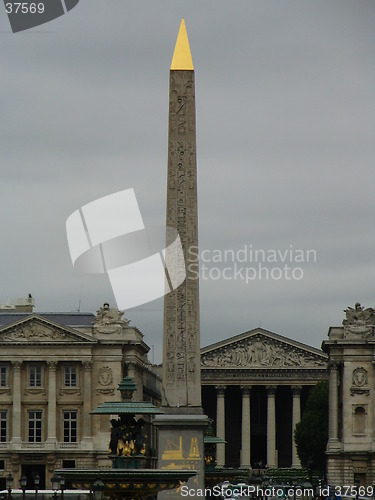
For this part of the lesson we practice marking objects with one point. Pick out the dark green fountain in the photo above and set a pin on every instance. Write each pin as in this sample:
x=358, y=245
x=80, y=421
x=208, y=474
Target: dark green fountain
x=128, y=477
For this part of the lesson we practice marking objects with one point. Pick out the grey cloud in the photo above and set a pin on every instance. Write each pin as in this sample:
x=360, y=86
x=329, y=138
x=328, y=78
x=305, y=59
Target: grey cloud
x=285, y=113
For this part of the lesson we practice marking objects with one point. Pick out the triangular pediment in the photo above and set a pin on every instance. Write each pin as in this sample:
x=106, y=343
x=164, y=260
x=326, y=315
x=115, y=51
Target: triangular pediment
x=36, y=329
x=260, y=348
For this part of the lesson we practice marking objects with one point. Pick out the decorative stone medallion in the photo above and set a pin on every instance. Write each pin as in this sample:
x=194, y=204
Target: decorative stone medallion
x=359, y=381
x=105, y=376
x=360, y=377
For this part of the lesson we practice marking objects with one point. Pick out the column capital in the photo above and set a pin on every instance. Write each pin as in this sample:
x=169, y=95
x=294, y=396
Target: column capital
x=271, y=390
x=131, y=365
x=16, y=365
x=333, y=365
x=220, y=390
x=296, y=390
x=245, y=389
x=52, y=365
x=87, y=365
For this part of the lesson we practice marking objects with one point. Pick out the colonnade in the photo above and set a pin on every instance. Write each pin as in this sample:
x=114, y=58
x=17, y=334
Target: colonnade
x=245, y=454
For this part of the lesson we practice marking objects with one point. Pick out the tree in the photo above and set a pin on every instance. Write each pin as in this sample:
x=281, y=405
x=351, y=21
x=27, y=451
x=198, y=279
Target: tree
x=311, y=433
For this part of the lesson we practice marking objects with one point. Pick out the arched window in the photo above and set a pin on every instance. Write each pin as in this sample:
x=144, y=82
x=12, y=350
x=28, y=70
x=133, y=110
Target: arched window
x=359, y=422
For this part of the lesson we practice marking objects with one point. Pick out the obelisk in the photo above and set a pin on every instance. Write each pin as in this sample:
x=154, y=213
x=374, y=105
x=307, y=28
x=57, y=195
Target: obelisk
x=181, y=349
x=181, y=428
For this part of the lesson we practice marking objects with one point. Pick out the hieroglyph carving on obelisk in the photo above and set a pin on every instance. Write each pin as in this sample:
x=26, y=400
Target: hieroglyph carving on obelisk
x=181, y=349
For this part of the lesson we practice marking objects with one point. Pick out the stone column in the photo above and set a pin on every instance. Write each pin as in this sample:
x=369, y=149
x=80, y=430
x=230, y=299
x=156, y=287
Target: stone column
x=134, y=373
x=296, y=417
x=271, y=426
x=130, y=366
x=87, y=406
x=245, y=442
x=220, y=425
x=333, y=405
x=16, y=408
x=51, y=419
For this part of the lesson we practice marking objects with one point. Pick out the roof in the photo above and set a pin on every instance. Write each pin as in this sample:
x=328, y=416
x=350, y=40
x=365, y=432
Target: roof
x=261, y=331
x=260, y=349
x=63, y=318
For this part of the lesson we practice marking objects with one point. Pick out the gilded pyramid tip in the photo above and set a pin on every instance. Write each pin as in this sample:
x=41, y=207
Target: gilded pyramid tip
x=182, y=59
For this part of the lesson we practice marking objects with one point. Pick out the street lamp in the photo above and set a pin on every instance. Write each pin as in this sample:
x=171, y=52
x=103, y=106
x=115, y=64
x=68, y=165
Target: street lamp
x=294, y=482
x=356, y=482
x=98, y=489
x=62, y=486
x=265, y=484
x=55, y=480
x=23, y=484
x=36, y=483
x=9, y=485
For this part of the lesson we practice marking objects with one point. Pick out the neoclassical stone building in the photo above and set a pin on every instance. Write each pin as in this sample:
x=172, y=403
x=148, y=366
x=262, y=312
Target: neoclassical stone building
x=254, y=386
x=54, y=369
x=351, y=444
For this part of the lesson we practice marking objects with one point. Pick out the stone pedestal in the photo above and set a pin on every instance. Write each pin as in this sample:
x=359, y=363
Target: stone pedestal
x=180, y=446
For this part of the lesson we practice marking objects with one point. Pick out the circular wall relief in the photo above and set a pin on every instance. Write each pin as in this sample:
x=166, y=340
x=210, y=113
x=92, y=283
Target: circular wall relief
x=105, y=375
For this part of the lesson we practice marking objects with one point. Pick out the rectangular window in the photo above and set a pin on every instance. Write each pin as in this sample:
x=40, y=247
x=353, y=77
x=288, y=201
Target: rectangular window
x=35, y=426
x=70, y=426
x=35, y=376
x=3, y=426
x=3, y=376
x=68, y=464
x=70, y=376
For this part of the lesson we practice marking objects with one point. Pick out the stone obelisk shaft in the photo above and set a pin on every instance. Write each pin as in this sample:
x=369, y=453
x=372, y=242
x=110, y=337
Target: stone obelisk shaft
x=181, y=349
x=180, y=428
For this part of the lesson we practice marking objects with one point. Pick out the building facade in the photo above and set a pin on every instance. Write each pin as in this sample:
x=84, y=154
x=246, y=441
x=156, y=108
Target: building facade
x=254, y=386
x=54, y=369
x=351, y=443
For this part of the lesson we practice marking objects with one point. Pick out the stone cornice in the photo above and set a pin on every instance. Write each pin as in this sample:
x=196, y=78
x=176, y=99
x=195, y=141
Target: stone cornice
x=297, y=377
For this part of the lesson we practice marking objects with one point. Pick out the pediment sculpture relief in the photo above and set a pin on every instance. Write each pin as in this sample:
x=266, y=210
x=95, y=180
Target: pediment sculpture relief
x=33, y=332
x=260, y=352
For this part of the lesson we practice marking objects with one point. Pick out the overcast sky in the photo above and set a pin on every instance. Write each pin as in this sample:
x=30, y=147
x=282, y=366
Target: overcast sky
x=285, y=147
